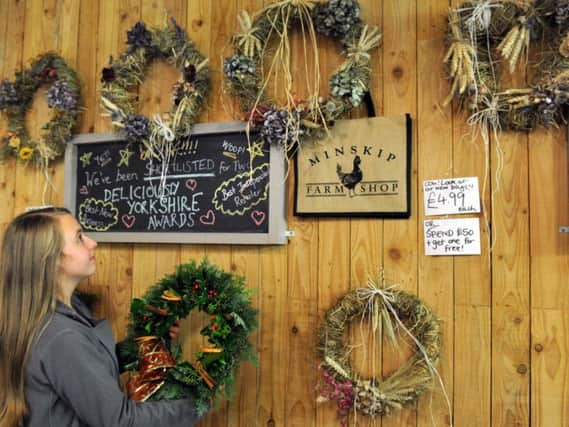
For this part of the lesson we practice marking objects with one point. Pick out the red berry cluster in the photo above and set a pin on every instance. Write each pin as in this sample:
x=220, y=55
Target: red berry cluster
x=212, y=293
x=48, y=72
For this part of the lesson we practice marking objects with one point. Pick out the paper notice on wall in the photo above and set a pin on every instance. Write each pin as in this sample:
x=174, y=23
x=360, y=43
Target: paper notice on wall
x=451, y=196
x=452, y=236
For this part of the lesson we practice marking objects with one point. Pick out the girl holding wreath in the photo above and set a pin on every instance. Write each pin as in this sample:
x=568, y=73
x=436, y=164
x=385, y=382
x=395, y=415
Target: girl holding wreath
x=58, y=365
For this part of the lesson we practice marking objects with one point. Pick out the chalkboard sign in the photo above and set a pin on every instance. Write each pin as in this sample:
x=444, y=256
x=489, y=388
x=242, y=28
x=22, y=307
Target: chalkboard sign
x=218, y=187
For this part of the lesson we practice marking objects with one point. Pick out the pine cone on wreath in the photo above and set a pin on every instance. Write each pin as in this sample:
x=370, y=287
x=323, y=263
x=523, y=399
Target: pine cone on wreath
x=367, y=401
x=337, y=17
x=281, y=127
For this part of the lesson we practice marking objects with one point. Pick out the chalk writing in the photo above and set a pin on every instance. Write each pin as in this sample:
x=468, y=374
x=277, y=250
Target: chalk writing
x=97, y=215
x=211, y=186
x=242, y=192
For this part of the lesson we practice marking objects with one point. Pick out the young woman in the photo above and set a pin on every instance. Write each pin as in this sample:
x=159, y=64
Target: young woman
x=58, y=366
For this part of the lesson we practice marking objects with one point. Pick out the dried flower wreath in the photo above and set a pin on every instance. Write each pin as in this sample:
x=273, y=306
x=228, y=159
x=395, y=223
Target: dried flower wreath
x=62, y=97
x=395, y=311
x=247, y=78
x=486, y=36
x=118, y=79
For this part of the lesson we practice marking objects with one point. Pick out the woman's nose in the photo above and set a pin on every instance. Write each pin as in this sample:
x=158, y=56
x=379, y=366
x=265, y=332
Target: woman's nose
x=92, y=243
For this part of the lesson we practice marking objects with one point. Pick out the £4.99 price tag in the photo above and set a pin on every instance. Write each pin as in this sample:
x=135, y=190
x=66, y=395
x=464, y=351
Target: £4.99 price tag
x=451, y=196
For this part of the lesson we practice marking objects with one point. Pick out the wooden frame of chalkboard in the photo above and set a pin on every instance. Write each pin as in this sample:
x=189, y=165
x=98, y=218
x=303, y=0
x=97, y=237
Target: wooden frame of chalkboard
x=114, y=189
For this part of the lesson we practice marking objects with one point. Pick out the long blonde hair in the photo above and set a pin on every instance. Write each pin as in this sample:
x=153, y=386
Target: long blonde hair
x=29, y=275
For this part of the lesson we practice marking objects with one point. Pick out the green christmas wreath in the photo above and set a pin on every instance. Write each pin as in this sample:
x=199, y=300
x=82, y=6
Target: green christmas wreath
x=62, y=97
x=247, y=78
x=162, y=374
x=398, y=313
x=124, y=74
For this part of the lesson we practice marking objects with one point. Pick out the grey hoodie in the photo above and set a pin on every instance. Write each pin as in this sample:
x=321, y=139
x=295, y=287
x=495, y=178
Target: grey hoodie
x=72, y=379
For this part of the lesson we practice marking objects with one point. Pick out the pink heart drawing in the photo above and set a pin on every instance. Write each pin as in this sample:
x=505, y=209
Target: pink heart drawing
x=208, y=218
x=84, y=190
x=128, y=220
x=191, y=184
x=258, y=217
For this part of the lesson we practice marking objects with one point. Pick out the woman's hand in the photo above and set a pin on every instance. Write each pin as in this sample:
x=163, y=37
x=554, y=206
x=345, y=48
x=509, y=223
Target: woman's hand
x=174, y=330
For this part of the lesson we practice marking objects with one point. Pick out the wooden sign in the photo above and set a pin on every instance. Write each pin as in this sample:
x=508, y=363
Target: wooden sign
x=219, y=187
x=362, y=170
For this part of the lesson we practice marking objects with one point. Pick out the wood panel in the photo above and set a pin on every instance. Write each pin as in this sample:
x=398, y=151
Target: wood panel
x=435, y=158
x=400, y=238
x=503, y=313
x=472, y=286
x=13, y=26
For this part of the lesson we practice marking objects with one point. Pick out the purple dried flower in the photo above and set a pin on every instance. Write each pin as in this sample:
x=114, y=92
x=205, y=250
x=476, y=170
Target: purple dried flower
x=108, y=75
x=190, y=73
x=8, y=94
x=341, y=391
x=61, y=97
x=136, y=126
x=139, y=36
x=180, y=33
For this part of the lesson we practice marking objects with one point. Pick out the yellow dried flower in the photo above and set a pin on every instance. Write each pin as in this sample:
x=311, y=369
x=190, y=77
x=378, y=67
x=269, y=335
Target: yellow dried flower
x=14, y=142
x=26, y=153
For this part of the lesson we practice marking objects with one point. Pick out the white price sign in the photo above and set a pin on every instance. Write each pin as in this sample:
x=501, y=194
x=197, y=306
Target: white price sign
x=452, y=236
x=451, y=196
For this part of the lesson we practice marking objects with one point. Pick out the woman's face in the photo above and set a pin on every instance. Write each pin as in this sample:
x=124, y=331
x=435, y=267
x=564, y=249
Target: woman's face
x=78, y=260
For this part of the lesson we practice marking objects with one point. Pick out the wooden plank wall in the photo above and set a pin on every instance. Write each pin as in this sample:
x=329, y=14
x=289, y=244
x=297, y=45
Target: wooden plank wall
x=504, y=313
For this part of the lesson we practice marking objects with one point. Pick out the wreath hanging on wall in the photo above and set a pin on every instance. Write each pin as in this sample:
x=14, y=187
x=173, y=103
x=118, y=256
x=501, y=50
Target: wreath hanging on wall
x=159, y=134
x=62, y=97
x=161, y=374
x=396, y=311
x=488, y=38
x=247, y=76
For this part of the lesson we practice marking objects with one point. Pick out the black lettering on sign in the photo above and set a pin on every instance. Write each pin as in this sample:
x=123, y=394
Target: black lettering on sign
x=213, y=183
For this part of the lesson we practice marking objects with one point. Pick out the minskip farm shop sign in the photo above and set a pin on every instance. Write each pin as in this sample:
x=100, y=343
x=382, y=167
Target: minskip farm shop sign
x=361, y=170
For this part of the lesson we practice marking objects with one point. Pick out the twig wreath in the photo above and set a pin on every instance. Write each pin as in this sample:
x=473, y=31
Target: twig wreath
x=485, y=36
x=62, y=97
x=161, y=372
x=159, y=134
x=247, y=78
x=396, y=312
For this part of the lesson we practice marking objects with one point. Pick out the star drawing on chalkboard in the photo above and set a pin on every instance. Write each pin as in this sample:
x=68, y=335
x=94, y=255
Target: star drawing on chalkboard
x=256, y=150
x=125, y=156
x=86, y=159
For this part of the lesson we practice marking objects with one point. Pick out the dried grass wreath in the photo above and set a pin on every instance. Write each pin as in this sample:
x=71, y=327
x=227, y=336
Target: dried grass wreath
x=489, y=37
x=159, y=134
x=396, y=312
x=247, y=78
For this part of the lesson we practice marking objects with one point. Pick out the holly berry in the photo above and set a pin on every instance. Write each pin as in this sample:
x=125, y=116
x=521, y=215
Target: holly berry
x=214, y=327
x=196, y=286
x=52, y=73
x=145, y=318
